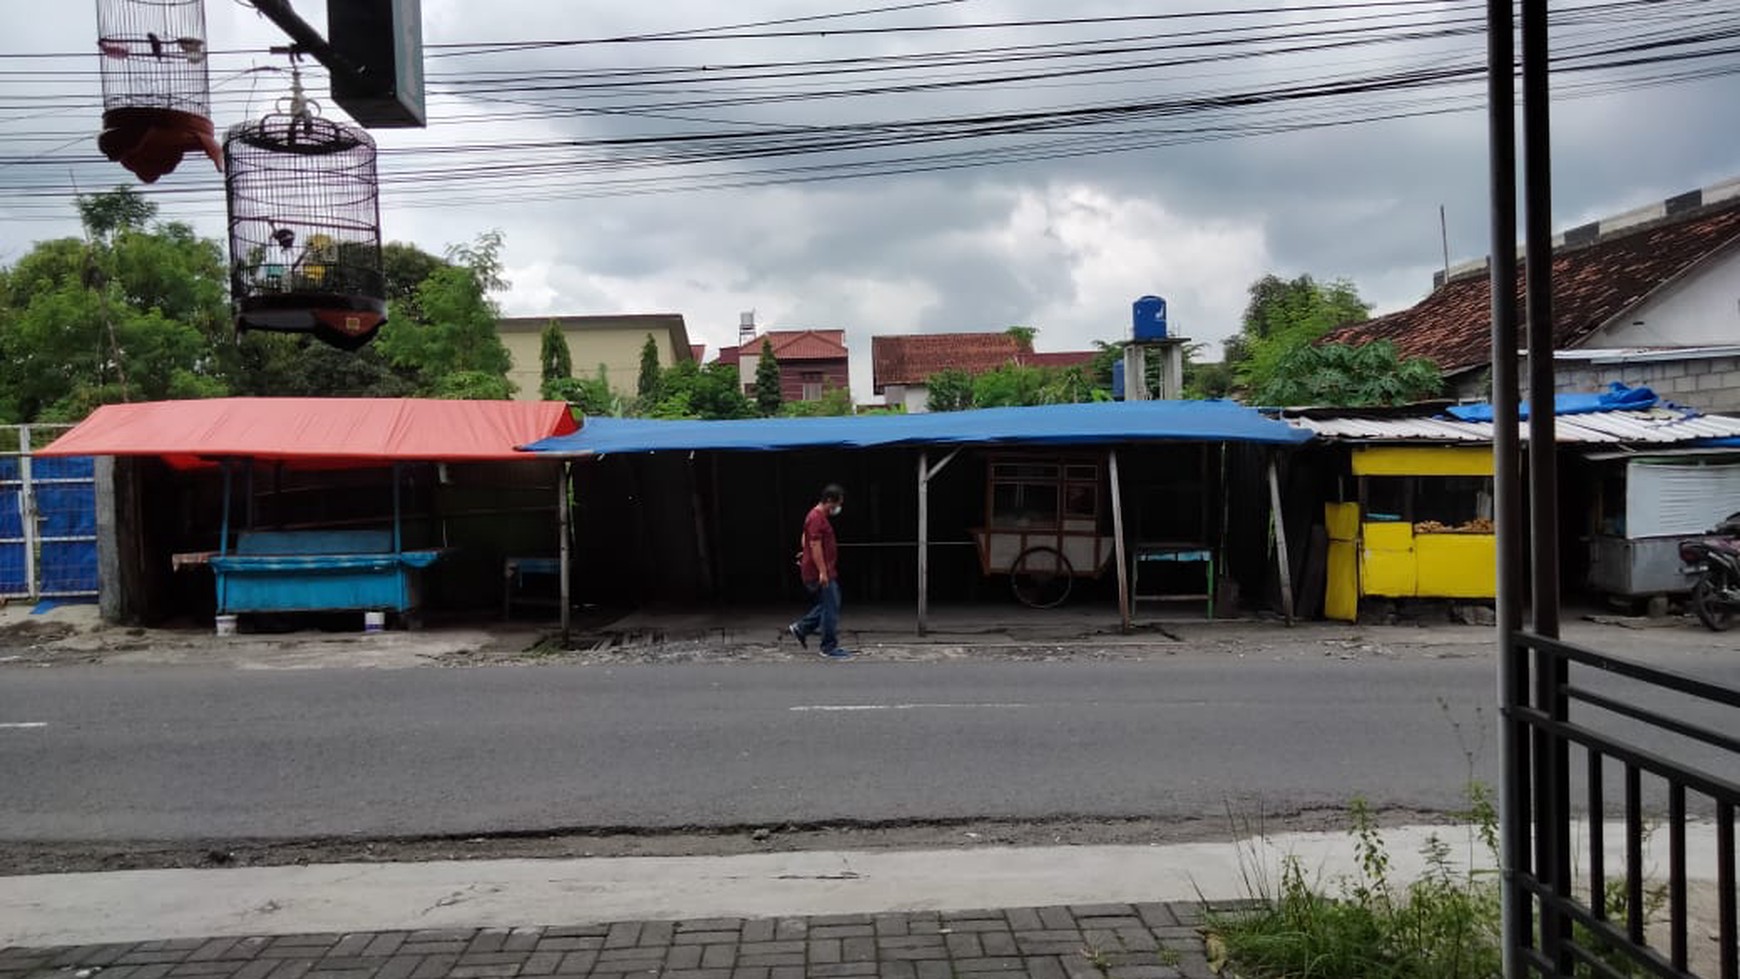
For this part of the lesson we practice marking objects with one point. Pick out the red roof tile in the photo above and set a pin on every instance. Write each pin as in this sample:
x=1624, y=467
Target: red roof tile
x=793, y=345
x=912, y=358
x=697, y=351
x=805, y=344
x=1592, y=284
x=1060, y=358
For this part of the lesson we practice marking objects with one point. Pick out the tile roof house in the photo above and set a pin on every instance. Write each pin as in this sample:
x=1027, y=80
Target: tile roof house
x=901, y=365
x=810, y=361
x=1651, y=298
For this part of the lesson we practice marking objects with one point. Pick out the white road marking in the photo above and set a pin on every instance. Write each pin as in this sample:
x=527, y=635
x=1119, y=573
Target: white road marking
x=840, y=708
x=21, y=725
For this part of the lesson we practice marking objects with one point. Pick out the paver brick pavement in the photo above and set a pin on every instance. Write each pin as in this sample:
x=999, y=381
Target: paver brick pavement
x=1101, y=941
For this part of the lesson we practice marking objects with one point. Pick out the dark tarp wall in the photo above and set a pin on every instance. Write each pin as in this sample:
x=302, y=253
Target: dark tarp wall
x=723, y=526
x=481, y=512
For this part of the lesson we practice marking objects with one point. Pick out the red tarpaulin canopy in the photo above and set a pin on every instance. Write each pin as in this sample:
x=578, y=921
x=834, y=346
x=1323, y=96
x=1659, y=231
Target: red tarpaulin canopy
x=313, y=432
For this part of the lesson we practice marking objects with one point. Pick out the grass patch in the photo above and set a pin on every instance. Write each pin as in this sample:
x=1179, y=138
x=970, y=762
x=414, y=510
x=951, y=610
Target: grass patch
x=1444, y=925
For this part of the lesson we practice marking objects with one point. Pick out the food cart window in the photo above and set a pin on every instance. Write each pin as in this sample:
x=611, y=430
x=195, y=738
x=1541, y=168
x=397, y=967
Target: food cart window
x=1036, y=471
x=1016, y=504
x=1081, y=500
x=1386, y=497
x=1453, y=501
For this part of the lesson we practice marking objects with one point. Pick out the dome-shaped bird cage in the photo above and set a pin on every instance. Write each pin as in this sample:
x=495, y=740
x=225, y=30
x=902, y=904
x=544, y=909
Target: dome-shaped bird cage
x=156, y=84
x=305, y=232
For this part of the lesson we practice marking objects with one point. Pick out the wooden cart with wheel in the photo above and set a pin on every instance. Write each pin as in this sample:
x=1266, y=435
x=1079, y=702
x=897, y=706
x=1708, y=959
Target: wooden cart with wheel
x=1042, y=525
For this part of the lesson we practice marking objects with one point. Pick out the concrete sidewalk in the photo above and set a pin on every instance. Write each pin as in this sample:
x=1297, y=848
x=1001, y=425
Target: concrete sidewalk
x=1111, y=912
x=1114, y=912
x=139, y=905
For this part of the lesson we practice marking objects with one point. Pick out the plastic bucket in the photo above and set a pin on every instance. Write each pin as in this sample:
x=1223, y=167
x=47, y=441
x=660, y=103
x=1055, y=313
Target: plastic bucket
x=374, y=621
x=226, y=625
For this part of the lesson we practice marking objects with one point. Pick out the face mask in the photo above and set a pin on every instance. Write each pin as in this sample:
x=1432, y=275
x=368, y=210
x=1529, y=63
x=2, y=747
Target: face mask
x=836, y=510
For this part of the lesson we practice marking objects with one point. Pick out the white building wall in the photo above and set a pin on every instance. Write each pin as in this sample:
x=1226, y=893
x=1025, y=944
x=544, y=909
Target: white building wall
x=1703, y=309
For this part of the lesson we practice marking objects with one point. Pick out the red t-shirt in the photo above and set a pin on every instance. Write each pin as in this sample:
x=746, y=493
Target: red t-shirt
x=817, y=527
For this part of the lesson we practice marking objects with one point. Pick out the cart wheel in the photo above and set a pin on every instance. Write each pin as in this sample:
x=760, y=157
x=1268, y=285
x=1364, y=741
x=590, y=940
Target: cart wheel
x=1041, y=577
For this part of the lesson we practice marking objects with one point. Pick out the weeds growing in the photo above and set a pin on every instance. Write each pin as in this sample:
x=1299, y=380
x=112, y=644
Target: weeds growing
x=1444, y=925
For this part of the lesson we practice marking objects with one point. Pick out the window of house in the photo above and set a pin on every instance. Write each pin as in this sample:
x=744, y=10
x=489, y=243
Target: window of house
x=812, y=382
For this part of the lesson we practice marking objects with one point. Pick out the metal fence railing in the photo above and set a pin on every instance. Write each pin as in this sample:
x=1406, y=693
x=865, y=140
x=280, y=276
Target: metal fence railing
x=1669, y=738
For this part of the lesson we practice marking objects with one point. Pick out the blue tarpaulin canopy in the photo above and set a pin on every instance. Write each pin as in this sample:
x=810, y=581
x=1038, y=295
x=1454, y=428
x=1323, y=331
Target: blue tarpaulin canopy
x=1617, y=397
x=1107, y=422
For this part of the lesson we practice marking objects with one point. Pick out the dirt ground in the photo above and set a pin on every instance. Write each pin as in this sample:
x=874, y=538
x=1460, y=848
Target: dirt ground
x=73, y=635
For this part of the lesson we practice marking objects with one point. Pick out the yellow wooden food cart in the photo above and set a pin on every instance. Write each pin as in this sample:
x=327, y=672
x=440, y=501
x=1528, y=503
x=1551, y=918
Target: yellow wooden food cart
x=1421, y=527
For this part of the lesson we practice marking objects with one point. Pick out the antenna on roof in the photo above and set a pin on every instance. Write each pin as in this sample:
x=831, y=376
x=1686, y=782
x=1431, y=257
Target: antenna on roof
x=1444, y=235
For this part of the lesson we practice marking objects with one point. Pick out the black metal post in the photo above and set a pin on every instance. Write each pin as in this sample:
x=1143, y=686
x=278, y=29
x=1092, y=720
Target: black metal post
x=1513, y=789
x=1552, y=757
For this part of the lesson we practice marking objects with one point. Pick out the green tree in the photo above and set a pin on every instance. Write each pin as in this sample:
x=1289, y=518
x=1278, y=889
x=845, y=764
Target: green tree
x=949, y=390
x=299, y=366
x=456, y=329
x=647, y=384
x=1023, y=337
x=470, y=385
x=121, y=209
x=553, y=355
x=405, y=267
x=591, y=395
x=1010, y=386
x=689, y=390
x=767, y=387
x=1283, y=315
x=130, y=314
x=1336, y=374
x=833, y=402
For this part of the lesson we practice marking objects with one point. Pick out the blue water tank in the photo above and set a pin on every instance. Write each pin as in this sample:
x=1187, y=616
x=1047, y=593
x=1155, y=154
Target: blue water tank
x=1148, y=316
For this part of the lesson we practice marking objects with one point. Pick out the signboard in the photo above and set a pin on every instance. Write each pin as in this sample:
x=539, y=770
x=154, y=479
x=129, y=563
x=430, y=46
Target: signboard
x=384, y=38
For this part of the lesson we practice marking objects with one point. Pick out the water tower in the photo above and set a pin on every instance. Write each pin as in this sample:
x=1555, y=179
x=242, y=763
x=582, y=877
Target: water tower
x=1149, y=337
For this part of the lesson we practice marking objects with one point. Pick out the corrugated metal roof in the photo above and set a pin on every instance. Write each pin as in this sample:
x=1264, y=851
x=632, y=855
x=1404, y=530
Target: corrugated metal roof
x=1656, y=426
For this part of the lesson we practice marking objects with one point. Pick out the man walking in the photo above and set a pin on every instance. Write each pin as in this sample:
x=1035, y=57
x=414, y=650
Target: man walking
x=818, y=564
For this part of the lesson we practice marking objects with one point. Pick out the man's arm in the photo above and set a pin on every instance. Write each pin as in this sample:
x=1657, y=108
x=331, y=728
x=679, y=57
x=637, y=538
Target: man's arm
x=821, y=562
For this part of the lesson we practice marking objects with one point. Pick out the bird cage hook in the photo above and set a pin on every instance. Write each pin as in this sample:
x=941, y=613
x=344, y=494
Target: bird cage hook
x=298, y=105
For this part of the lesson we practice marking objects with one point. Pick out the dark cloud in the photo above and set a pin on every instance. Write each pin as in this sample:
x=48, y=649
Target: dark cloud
x=1063, y=245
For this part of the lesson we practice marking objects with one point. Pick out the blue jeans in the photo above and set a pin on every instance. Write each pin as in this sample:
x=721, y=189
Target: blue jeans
x=824, y=617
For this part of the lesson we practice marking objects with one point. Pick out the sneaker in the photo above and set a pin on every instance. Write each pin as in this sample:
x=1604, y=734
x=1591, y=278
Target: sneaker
x=838, y=652
x=792, y=631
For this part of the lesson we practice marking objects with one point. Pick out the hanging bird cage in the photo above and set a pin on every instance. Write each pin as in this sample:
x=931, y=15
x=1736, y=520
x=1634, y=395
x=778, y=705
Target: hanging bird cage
x=156, y=84
x=305, y=234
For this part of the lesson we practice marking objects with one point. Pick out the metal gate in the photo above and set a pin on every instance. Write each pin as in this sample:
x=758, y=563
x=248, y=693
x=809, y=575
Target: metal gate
x=48, y=518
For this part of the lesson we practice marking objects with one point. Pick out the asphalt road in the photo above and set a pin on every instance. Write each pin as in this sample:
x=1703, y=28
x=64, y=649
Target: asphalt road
x=193, y=753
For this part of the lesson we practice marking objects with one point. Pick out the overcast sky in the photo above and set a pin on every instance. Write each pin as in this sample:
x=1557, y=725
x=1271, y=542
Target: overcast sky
x=1047, y=229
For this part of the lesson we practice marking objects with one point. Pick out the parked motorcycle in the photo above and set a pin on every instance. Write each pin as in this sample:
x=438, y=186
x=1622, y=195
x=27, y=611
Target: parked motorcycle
x=1714, y=560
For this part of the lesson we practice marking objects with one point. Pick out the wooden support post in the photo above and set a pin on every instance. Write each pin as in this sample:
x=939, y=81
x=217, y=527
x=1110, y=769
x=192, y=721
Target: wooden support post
x=398, y=510
x=1280, y=527
x=926, y=473
x=923, y=539
x=564, y=521
x=1118, y=537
